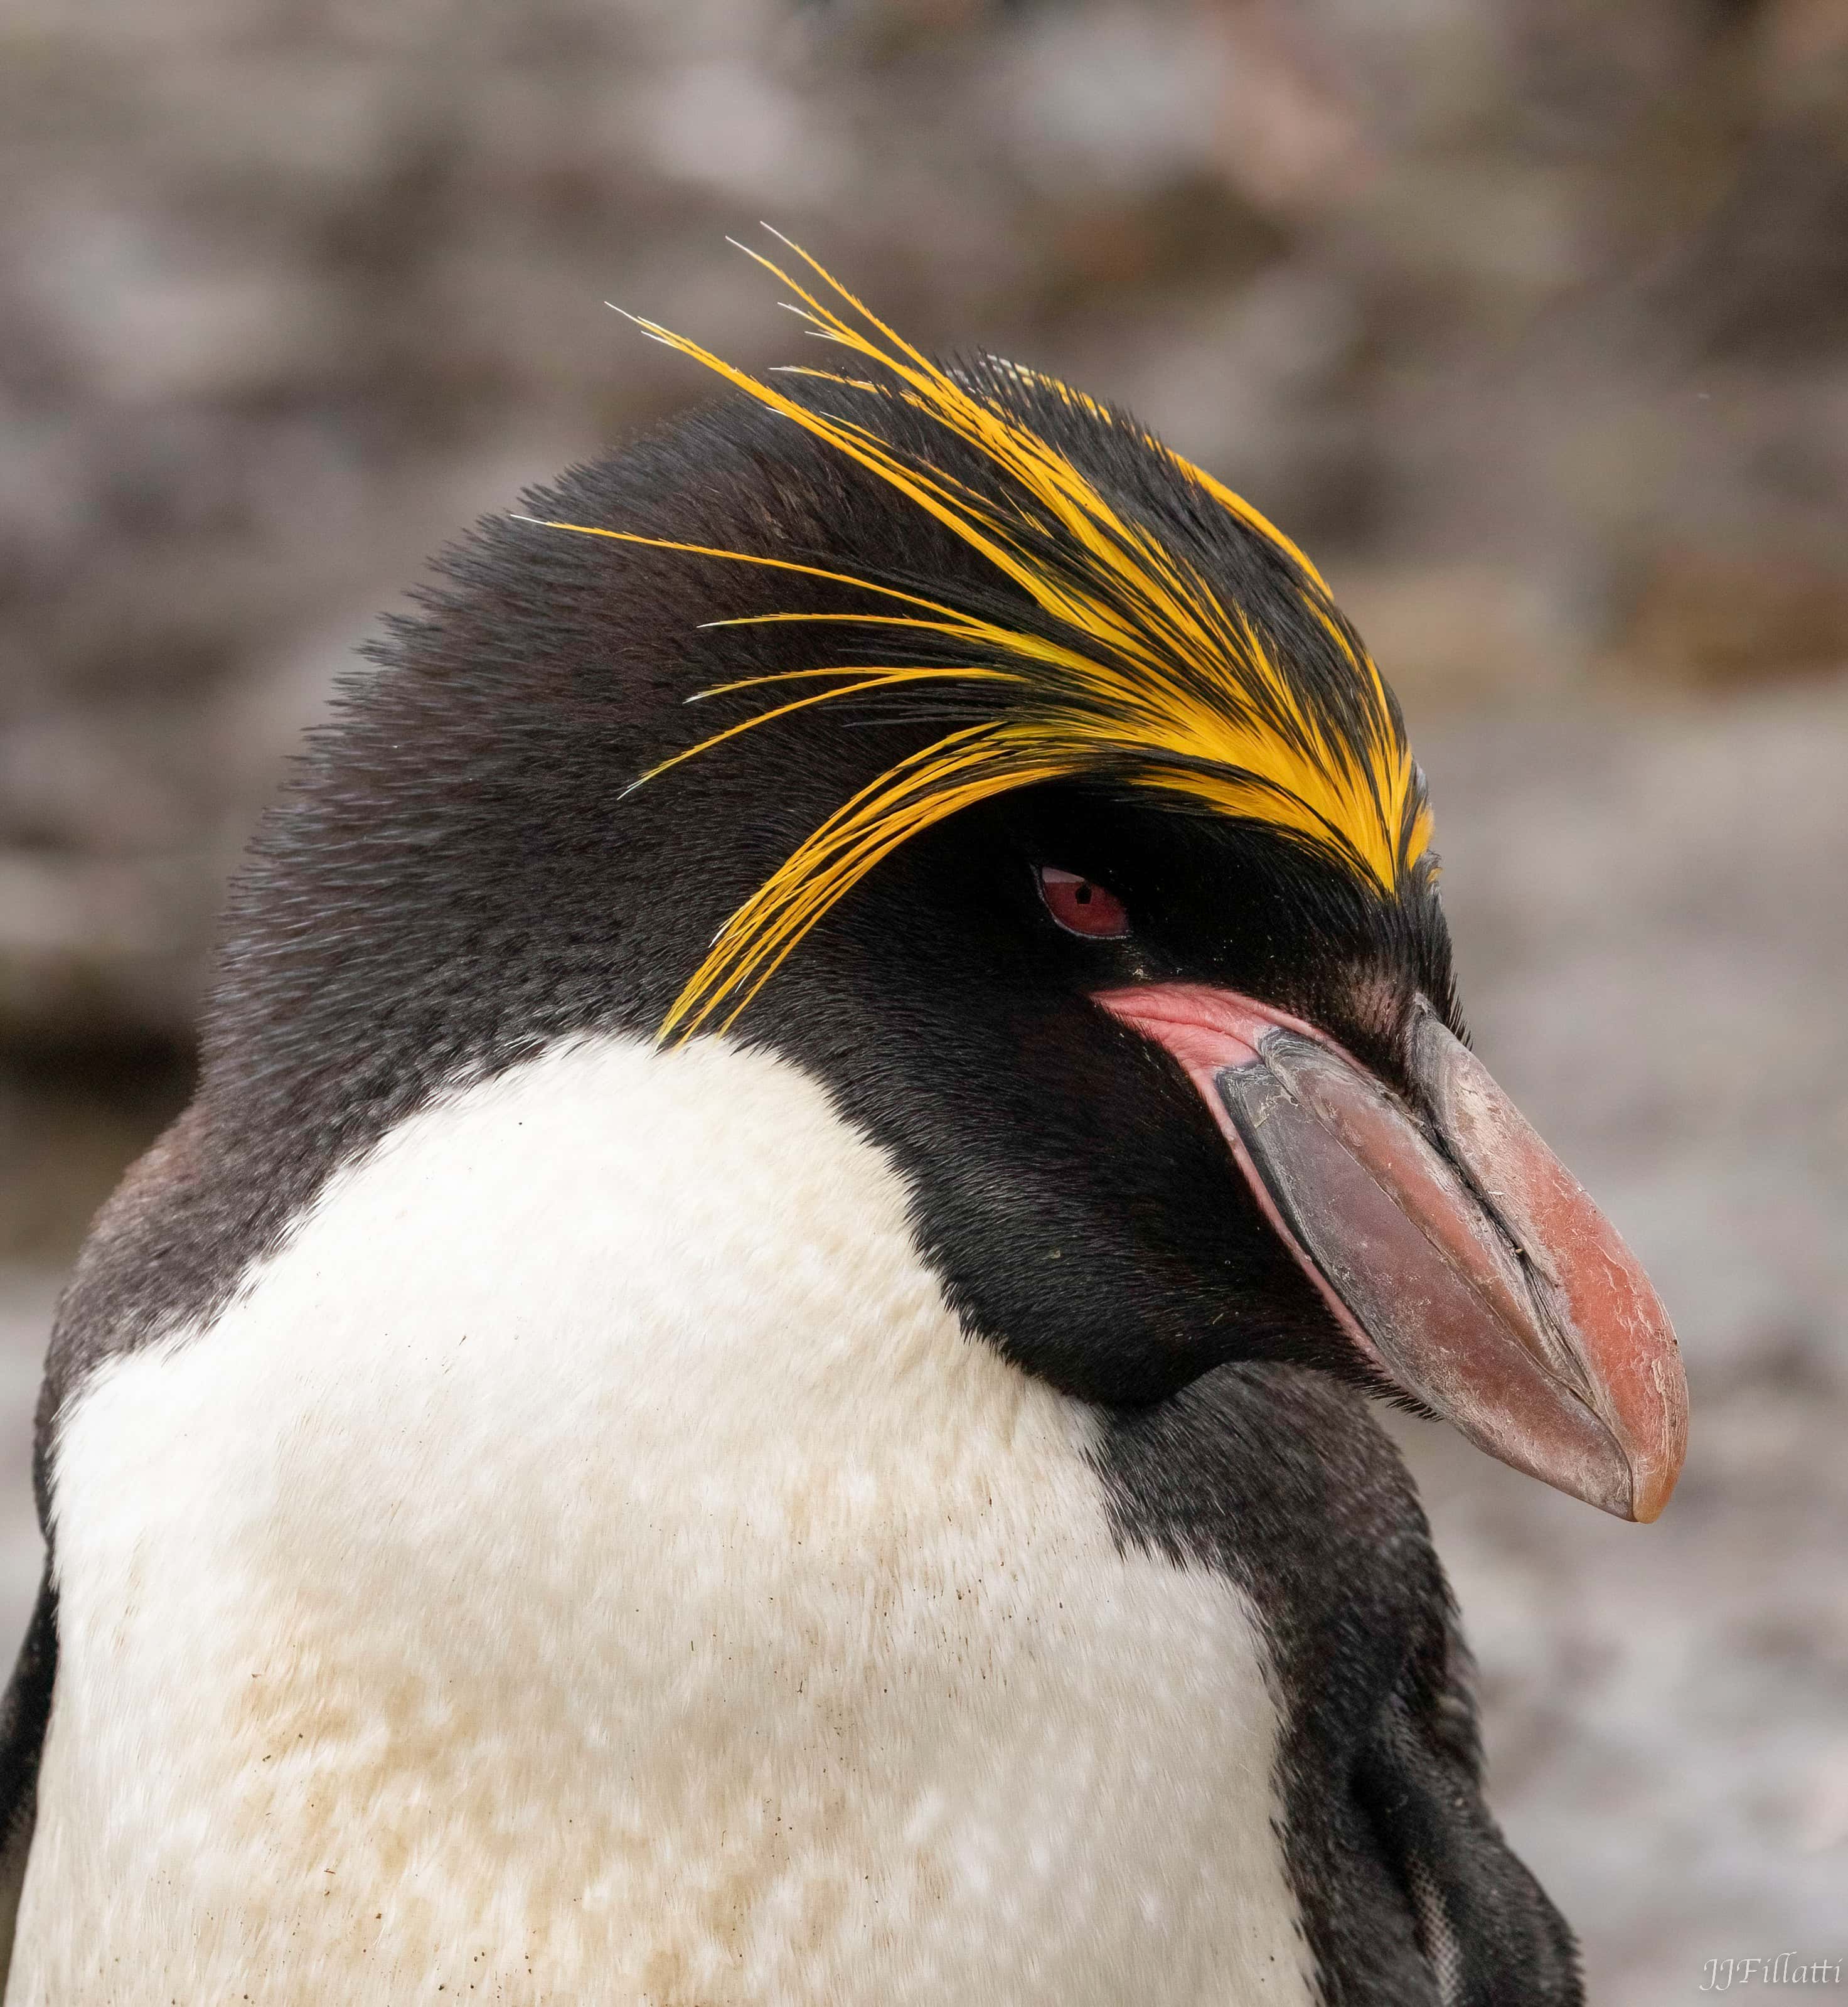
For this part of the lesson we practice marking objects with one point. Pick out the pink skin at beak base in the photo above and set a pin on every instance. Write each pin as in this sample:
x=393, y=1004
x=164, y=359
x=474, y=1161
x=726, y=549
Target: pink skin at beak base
x=1208, y=1030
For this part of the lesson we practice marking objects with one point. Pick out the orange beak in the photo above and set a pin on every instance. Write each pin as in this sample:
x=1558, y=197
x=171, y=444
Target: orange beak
x=1462, y=1258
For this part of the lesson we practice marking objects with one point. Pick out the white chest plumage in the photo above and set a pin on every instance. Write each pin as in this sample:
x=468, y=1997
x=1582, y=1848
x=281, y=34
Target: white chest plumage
x=589, y=1564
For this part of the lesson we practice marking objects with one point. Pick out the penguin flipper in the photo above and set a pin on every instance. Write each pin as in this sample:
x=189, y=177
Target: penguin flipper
x=23, y=1715
x=1490, y=1934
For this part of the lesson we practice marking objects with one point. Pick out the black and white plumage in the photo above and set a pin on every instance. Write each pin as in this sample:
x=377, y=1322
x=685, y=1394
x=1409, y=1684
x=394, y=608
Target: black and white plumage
x=876, y=1503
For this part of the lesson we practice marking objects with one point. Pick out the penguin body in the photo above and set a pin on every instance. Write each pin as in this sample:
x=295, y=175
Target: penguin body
x=815, y=1669
x=874, y=1502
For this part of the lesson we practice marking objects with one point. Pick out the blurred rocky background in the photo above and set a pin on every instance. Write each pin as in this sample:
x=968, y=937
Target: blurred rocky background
x=1529, y=316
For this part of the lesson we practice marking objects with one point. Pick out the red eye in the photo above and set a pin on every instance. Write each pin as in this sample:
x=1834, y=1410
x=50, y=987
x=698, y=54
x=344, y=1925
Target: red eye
x=1081, y=906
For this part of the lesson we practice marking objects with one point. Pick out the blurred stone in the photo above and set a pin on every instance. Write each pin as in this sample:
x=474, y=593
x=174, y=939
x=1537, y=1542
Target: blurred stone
x=1715, y=617
x=27, y=1294
x=1444, y=634
x=72, y=1119
x=99, y=950
x=1289, y=136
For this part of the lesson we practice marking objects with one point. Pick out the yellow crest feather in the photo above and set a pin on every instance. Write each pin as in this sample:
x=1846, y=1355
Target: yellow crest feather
x=1136, y=669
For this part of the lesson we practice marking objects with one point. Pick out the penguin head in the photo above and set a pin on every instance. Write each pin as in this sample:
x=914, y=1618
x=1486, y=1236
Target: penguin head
x=939, y=730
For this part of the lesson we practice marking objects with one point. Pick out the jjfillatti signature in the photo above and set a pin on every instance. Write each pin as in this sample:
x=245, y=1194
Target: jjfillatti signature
x=1786, y=1969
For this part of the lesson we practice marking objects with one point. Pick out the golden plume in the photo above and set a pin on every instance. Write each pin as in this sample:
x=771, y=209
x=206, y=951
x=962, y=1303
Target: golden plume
x=1136, y=671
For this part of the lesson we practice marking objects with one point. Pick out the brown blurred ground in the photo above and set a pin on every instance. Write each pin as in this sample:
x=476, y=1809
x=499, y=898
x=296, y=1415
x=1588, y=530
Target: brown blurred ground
x=1530, y=316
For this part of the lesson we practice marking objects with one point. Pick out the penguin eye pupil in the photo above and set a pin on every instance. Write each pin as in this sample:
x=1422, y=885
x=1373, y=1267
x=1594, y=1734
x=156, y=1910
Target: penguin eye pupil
x=1082, y=906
